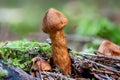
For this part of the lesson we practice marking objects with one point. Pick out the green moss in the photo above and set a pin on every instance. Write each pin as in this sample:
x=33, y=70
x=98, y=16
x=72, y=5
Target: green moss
x=21, y=52
x=3, y=73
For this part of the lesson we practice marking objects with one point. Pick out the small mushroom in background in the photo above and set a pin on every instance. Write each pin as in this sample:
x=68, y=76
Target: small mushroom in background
x=40, y=64
x=53, y=24
x=109, y=48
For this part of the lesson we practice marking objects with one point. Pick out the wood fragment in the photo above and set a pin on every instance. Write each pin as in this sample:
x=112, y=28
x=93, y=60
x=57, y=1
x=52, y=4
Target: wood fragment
x=106, y=67
x=98, y=66
x=97, y=76
x=57, y=75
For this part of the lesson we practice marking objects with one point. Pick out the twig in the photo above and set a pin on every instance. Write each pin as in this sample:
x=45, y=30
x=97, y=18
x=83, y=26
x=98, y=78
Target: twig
x=106, y=67
x=109, y=57
x=49, y=77
x=106, y=77
x=97, y=76
x=39, y=69
x=57, y=75
x=4, y=44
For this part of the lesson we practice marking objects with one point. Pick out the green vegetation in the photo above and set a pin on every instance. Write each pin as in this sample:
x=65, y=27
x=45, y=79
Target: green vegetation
x=3, y=73
x=101, y=27
x=85, y=19
x=20, y=53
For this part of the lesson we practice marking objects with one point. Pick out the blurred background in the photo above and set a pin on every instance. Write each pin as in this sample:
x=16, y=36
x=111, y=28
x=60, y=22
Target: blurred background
x=90, y=21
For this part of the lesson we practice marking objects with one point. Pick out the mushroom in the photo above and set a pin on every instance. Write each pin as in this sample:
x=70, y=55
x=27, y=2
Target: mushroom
x=53, y=24
x=109, y=48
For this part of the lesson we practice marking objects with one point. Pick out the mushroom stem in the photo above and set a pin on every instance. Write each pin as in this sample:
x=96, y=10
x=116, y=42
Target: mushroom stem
x=60, y=53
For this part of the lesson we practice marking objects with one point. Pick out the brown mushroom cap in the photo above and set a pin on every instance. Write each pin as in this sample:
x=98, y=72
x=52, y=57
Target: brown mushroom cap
x=53, y=21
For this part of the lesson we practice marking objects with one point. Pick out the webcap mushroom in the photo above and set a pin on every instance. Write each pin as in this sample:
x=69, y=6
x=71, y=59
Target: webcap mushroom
x=53, y=24
x=109, y=48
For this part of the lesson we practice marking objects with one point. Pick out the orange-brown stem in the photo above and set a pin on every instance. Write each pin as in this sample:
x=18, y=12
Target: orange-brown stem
x=60, y=53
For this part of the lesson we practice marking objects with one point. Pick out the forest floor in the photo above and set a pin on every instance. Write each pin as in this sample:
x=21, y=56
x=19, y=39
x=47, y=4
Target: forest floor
x=18, y=61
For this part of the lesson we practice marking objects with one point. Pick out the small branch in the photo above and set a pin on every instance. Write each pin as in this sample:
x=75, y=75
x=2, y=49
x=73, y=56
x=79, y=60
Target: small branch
x=104, y=56
x=97, y=76
x=39, y=69
x=62, y=77
x=106, y=67
x=4, y=44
